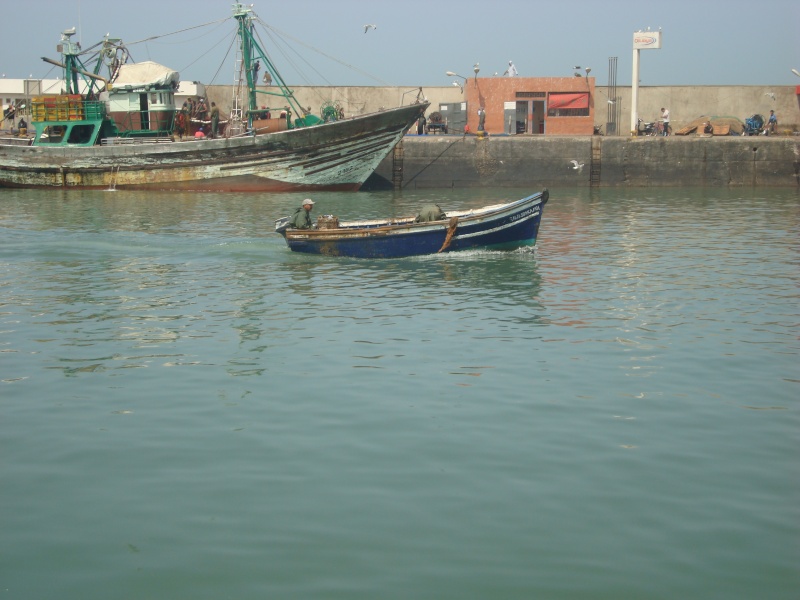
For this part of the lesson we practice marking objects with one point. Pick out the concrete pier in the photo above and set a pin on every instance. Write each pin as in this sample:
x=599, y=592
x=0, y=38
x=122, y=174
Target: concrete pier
x=453, y=161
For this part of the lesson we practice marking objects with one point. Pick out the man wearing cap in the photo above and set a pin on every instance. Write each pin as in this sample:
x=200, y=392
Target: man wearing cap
x=301, y=219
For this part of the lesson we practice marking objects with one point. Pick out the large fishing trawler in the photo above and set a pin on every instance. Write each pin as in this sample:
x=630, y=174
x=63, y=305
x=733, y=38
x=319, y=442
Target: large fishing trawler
x=119, y=131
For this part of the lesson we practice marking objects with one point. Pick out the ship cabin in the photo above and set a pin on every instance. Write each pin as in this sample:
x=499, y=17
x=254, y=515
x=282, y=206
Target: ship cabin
x=139, y=105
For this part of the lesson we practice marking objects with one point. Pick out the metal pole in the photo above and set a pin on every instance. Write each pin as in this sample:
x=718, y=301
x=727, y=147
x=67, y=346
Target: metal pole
x=635, y=93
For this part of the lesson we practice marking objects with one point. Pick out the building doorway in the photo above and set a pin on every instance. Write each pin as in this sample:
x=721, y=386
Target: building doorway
x=521, y=117
x=537, y=117
x=525, y=117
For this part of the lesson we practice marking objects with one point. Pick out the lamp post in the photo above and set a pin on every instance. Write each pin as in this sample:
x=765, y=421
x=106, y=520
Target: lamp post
x=453, y=74
x=476, y=67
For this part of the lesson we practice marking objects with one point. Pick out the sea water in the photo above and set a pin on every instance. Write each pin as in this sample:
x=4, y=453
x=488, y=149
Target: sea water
x=190, y=410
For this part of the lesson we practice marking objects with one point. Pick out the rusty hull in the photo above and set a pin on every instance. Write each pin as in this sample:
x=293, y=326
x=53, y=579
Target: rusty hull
x=336, y=156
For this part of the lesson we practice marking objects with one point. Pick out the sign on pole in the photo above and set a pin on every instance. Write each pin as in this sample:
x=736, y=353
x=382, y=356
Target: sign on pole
x=642, y=40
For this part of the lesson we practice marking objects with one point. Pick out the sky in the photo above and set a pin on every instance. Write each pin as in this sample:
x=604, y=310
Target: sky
x=322, y=42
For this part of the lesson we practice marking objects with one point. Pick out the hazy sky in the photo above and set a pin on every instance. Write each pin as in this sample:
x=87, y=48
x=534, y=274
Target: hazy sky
x=705, y=42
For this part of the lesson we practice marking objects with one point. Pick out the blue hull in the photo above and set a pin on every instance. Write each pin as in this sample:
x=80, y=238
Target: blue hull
x=505, y=227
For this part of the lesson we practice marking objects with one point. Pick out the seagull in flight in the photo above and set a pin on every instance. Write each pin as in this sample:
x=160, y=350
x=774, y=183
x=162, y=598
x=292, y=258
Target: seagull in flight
x=577, y=166
x=770, y=94
x=368, y=27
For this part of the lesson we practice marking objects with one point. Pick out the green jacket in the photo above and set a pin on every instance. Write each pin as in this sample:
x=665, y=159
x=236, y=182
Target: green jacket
x=301, y=219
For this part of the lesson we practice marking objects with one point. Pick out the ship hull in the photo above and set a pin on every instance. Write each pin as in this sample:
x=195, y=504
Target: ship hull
x=337, y=156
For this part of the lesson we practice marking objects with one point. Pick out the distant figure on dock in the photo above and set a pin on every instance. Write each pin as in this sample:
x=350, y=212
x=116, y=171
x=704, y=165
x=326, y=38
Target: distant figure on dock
x=511, y=71
x=665, y=120
x=481, y=119
x=421, y=124
x=772, y=122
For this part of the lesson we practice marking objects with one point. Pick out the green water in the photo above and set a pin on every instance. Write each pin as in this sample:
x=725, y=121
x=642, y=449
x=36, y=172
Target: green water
x=189, y=410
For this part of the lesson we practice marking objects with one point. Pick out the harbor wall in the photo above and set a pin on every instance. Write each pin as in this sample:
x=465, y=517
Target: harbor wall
x=686, y=103
x=541, y=161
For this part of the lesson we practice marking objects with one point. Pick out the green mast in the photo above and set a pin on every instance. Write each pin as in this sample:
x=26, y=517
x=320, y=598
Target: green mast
x=253, y=60
x=73, y=67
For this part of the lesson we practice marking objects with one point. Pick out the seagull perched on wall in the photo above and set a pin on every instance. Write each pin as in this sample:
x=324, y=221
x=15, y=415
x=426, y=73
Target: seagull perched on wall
x=368, y=27
x=577, y=166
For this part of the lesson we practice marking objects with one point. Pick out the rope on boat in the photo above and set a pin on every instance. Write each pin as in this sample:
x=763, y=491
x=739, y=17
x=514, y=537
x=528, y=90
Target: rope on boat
x=451, y=229
x=155, y=37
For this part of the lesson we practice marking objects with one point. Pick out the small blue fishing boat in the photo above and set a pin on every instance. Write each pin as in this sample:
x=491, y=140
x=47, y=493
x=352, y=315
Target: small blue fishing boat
x=499, y=226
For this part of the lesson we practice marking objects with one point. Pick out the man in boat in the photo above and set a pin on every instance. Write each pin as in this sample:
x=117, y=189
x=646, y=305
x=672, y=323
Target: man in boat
x=214, y=120
x=9, y=116
x=301, y=219
x=431, y=212
x=181, y=121
x=201, y=110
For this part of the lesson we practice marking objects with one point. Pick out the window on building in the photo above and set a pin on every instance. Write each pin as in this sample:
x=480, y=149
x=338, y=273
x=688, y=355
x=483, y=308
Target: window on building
x=568, y=104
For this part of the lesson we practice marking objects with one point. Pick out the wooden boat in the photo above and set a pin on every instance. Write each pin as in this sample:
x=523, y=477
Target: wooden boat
x=119, y=131
x=500, y=226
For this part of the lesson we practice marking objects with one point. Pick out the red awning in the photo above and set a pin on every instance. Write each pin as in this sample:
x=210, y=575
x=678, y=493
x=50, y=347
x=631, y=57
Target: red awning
x=571, y=100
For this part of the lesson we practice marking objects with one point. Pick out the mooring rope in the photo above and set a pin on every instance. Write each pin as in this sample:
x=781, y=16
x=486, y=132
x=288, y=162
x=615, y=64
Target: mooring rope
x=451, y=229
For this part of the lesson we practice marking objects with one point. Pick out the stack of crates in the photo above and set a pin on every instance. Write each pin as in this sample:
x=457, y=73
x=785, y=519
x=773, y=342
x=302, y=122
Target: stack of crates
x=66, y=107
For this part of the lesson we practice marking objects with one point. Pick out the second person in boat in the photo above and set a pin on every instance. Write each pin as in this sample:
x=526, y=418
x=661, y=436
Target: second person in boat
x=430, y=212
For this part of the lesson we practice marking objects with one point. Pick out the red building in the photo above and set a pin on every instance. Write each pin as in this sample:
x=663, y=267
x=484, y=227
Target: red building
x=532, y=105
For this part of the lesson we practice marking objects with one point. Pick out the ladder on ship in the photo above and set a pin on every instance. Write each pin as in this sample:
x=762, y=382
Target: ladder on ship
x=397, y=165
x=235, y=120
x=597, y=155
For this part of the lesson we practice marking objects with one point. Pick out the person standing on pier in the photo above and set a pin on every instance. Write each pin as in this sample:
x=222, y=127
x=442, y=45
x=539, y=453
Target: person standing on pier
x=772, y=122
